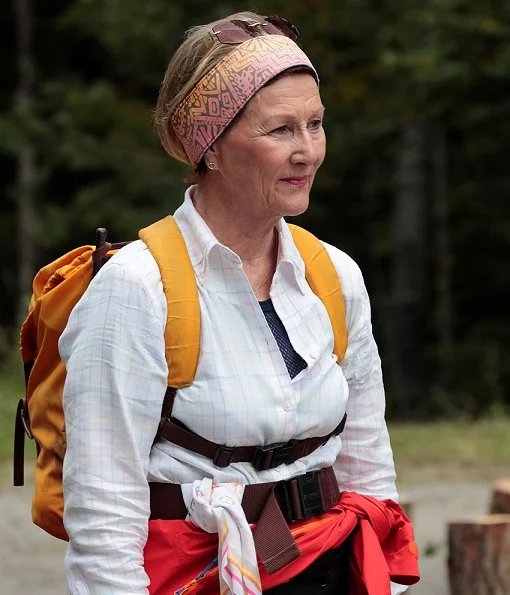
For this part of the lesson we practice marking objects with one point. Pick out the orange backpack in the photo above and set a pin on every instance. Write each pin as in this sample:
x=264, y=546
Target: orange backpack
x=57, y=288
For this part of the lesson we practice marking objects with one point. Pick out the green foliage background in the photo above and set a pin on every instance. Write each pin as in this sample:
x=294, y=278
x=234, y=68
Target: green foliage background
x=432, y=65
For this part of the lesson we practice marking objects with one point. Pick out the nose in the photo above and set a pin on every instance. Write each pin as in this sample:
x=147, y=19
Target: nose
x=305, y=151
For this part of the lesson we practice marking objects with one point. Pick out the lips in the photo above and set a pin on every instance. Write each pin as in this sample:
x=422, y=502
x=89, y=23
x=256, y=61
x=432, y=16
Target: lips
x=298, y=181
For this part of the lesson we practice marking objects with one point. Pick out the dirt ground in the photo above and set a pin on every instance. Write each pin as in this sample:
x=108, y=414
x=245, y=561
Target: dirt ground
x=31, y=562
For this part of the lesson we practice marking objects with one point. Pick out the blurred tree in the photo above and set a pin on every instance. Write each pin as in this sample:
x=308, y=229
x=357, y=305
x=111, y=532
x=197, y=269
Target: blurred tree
x=409, y=285
x=26, y=156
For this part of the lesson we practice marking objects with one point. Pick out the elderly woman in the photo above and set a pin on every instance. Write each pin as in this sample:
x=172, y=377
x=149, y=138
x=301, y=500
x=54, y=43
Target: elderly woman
x=291, y=501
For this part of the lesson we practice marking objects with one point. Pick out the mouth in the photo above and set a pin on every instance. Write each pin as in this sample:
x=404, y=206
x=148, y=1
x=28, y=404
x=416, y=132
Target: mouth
x=297, y=181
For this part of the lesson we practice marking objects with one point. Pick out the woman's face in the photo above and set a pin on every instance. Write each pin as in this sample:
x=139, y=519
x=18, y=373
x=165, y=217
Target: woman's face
x=267, y=160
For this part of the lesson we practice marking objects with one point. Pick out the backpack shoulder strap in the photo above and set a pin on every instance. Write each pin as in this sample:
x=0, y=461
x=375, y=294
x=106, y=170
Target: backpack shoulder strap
x=182, y=330
x=323, y=279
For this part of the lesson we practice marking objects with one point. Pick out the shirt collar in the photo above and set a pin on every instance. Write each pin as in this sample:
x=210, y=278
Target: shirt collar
x=199, y=239
x=202, y=244
x=289, y=256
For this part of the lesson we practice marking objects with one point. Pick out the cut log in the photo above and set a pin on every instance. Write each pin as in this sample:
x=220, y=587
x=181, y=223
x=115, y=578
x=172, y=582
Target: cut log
x=500, y=503
x=479, y=556
x=406, y=502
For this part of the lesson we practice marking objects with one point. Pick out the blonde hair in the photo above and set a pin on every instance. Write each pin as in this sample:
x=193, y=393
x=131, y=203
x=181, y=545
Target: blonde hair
x=197, y=54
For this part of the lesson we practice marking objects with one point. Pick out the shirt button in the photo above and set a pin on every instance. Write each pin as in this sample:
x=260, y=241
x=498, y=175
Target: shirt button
x=287, y=406
x=313, y=355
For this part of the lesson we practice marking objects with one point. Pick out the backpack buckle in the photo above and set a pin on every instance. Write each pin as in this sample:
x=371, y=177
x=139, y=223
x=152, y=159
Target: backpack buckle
x=25, y=420
x=273, y=455
x=301, y=498
x=223, y=456
x=311, y=496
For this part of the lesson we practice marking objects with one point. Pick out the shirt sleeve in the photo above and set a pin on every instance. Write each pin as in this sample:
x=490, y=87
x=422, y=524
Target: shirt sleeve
x=113, y=348
x=365, y=463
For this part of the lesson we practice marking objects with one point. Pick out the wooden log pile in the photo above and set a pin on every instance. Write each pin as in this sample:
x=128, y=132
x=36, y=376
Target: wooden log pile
x=479, y=549
x=500, y=503
x=406, y=502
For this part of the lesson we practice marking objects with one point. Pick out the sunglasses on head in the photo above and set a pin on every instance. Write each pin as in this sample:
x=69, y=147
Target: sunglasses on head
x=236, y=31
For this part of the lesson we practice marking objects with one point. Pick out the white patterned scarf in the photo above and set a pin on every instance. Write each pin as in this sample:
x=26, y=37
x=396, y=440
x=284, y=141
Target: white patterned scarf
x=216, y=508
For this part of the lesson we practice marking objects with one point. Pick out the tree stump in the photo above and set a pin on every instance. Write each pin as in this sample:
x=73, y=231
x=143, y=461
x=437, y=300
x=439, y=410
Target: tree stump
x=479, y=556
x=406, y=502
x=501, y=497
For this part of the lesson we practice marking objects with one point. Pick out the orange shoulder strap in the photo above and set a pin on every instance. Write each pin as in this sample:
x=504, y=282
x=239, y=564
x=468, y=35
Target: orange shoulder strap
x=182, y=331
x=323, y=279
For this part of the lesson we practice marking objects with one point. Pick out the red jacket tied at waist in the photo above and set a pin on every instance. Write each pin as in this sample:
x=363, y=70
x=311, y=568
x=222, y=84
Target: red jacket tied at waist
x=180, y=558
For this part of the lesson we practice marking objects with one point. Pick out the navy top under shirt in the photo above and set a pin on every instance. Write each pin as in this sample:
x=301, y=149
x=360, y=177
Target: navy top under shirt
x=294, y=362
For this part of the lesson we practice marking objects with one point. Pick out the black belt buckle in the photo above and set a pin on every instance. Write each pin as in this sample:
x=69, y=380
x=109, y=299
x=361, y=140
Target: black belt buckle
x=310, y=494
x=223, y=456
x=273, y=455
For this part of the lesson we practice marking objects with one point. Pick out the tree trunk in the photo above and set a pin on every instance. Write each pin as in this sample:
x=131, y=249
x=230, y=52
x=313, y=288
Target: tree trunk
x=408, y=279
x=501, y=497
x=26, y=167
x=443, y=258
x=479, y=556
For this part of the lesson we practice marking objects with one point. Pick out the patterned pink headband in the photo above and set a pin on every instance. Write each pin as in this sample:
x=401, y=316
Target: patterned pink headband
x=221, y=94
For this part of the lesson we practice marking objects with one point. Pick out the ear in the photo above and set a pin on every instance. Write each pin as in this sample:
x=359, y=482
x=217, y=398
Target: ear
x=211, y=158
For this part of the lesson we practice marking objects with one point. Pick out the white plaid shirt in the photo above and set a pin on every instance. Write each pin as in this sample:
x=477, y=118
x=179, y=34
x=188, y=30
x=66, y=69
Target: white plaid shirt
x=113, y=348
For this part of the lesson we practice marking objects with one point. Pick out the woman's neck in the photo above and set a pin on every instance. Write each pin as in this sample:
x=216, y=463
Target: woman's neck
x=250, y=238
x=255, y=242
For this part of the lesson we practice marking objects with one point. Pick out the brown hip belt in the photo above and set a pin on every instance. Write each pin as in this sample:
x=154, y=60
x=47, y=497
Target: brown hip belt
x=270, y=505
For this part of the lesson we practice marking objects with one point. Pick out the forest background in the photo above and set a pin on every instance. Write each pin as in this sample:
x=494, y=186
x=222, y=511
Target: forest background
x=414, y=186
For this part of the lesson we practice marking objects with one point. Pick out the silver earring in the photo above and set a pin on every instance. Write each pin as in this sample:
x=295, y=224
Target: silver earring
x=210, y=165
